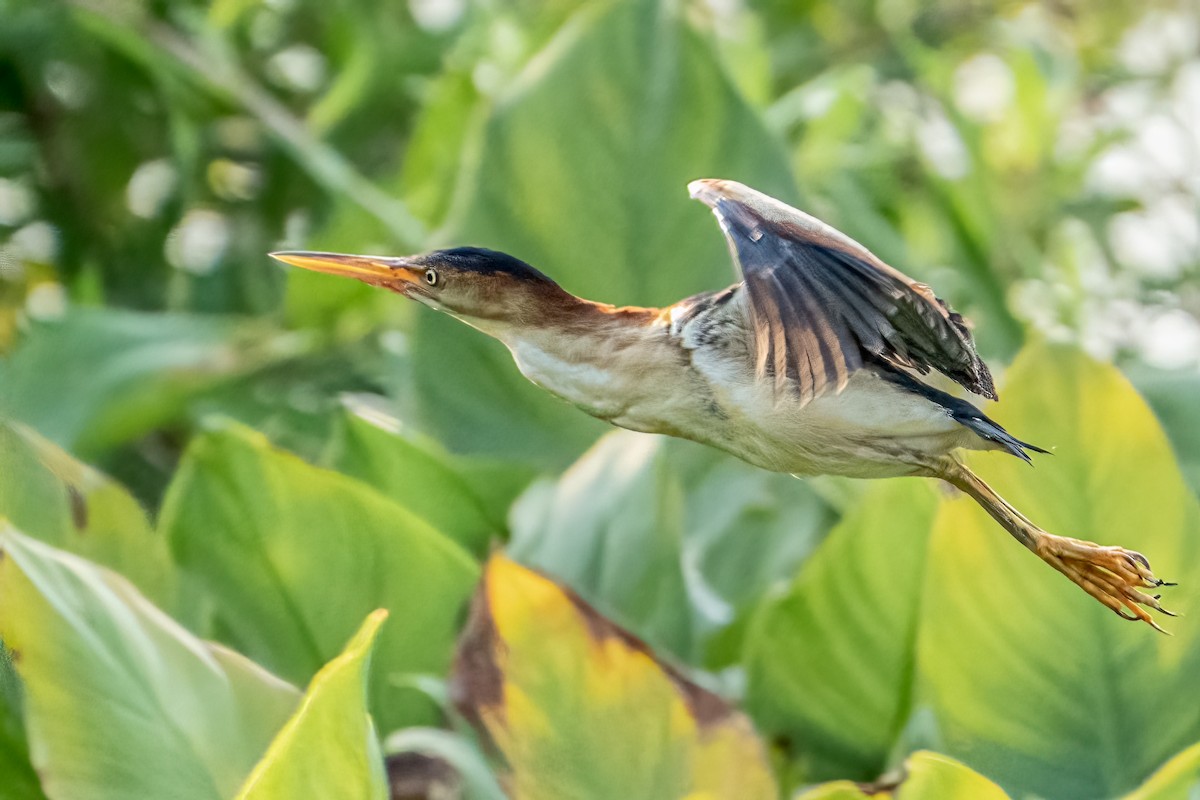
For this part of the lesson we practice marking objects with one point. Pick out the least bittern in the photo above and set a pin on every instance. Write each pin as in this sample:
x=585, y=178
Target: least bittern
x=809, y=365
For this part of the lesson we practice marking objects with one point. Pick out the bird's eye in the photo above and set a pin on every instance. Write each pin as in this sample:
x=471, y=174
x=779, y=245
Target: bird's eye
x=431, y=277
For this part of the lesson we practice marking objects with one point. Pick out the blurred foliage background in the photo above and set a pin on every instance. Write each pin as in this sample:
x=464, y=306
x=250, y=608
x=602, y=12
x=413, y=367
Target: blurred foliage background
x=1038, y=163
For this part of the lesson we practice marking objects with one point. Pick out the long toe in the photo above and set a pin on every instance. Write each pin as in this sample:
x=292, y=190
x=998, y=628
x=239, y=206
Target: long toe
x=1113, y=575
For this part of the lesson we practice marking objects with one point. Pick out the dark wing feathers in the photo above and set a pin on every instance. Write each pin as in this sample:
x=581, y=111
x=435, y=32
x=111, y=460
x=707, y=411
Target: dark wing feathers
x=820, y=304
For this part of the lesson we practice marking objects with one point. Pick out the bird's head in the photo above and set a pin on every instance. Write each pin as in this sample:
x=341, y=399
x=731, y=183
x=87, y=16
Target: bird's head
x=477, y=285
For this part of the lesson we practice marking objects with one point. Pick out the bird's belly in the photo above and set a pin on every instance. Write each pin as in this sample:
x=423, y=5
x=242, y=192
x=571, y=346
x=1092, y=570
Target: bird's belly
x=870, y=430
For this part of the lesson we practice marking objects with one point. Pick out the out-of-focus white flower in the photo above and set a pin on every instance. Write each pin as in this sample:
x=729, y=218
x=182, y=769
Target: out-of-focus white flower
x=16, y=202
x=1158, y=40
x=46, y=301
x=1160, y=240
x=299, y=67
x=436, y=16
x=984, y=87
x=150, y=187
x=1170, y=339
x=941, y=144
x=37, y=243
x=198, y=241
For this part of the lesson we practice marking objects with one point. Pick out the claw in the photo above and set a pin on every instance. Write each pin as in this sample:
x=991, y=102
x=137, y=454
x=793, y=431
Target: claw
x=1112, y=575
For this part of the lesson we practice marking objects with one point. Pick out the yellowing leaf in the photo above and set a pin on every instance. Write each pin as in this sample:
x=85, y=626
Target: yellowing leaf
x=926, y=776
x=1024, y=672
x=120, y=701
x=932, y=776
x=328, y=748
x=581, y=709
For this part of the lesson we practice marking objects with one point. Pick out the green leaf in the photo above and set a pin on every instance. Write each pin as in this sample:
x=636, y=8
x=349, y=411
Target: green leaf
x=1178, y=779
x=674, y=539
x=328, y=748
x=829, y=662
x=579, y=708
x=135, y=371
x=446, y=123
x=416, y=473
x=20, y=780
x=927, y=776
x=582, y=172
x=293, y=557
x=612, y=527
x=120, y=701
x=49, y=495
x=1030, y=680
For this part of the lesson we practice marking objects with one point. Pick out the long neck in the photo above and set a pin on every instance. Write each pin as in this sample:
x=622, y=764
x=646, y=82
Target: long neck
x=598, y=357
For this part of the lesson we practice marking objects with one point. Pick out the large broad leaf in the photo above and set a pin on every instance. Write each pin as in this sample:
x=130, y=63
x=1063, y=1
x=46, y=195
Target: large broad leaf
x=579, y=708
x=120, y=701
x=1178, y=779
x=101, y=377
x=328, y=748
x=47, y=494
x=582, y=172
x=830, y=661
x=293, y=557
x=673, y=539
x=419, y=475
x=1031, y=681
x=54, y=498
x=927, y=776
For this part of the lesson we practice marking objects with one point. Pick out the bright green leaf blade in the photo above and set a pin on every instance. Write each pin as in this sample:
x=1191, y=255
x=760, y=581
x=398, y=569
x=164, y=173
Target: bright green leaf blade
x=135, y=371
x=582, y=173
x=50, y=496
x=293, y=557
x=933, y=776
x=581, y=709
x=829, y=663
x=415, y=473
x=328, y=748
x=1178, y=779
x=927, y=776
x=1032, y=681
x=120, y=701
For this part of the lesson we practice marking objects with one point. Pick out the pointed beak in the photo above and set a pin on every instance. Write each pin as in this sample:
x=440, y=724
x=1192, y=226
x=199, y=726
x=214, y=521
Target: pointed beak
x=375, y=270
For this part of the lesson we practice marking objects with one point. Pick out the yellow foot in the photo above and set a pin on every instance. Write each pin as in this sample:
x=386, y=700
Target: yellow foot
x=1112, y=575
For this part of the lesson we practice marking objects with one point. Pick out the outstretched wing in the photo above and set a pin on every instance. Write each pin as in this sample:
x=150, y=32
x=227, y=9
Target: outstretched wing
x=821, y=303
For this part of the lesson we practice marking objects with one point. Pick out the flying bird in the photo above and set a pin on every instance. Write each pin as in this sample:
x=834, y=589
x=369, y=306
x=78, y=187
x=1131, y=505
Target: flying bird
x=812, y=364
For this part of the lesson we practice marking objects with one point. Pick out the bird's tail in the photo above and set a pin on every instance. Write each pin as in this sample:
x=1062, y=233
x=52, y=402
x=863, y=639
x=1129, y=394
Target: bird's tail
x=990, y=430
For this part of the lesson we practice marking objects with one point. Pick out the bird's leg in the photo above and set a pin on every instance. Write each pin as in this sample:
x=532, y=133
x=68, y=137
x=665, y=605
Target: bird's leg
x=1113, y=575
